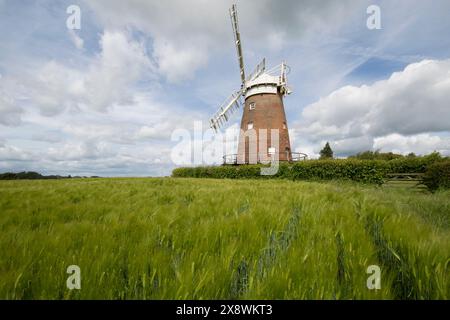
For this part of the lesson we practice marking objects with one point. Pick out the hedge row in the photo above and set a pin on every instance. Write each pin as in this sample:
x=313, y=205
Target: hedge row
x=437, y=175
x=367, y=171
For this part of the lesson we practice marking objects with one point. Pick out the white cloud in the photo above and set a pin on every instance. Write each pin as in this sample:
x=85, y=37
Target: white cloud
x=178, y=64
x=396, y=114
x=409, y=102
x=78, y=139
x=186, y=35
x=121, y=63
x=108, y=80
x=158, y=131
x=351, y=145
x=78, y=151
x=84, y=129
x=9, y=111
x=76, y=39
x=55, y=88
x=12, y=153
x=420, y=144
x=181, y=37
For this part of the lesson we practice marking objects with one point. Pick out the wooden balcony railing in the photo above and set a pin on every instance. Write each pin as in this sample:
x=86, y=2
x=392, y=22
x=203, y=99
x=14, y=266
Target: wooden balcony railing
x=295, y=157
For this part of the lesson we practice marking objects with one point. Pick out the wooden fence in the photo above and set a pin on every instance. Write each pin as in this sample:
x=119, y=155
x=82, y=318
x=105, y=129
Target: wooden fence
x=405, y=180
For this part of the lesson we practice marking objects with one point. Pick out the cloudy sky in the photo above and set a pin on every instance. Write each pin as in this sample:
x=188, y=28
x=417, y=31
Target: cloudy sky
x=116, y=97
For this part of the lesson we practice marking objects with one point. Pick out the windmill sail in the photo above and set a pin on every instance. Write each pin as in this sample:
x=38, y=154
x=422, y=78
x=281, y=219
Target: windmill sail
x=233, y=102
x=237, y=41
x=226, y=109
x=260, y=68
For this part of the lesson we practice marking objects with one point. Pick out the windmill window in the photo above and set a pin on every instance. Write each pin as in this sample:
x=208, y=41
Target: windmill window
x=250, y=126
x=252, y=106
x=284, y=125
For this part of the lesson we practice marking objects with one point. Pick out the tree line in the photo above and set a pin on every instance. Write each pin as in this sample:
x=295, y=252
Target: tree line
x=327, y=153
x=32, y=175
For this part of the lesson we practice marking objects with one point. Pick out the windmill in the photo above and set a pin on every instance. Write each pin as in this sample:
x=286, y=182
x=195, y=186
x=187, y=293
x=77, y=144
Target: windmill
x=261, y=97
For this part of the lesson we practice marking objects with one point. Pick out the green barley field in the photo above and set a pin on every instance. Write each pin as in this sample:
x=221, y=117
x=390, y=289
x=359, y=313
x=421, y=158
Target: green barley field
x=167, y=238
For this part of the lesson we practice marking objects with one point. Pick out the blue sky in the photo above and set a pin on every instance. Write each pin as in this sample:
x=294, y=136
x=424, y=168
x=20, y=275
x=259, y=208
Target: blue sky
x=108, y=99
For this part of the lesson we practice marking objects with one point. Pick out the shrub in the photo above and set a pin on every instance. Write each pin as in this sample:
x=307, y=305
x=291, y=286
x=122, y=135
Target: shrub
x=437, y=175
x=375, y=155
x=345, y=169
x=366, y=171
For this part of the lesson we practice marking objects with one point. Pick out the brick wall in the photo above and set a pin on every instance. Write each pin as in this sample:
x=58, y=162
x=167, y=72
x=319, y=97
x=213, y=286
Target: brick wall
x=268, y=113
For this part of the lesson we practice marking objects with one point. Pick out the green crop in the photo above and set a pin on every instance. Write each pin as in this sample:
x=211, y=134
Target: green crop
x=177, y=238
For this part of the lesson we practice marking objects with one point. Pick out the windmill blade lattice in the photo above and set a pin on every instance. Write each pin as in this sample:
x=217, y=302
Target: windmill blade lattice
x=226, y=109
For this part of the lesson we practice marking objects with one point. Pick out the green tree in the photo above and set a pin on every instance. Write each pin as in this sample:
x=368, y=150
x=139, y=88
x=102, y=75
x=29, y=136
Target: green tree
x=326, y=152
x=376, y=155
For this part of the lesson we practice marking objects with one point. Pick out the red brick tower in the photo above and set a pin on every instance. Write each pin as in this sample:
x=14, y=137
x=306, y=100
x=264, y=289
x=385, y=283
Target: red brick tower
x=264, y=132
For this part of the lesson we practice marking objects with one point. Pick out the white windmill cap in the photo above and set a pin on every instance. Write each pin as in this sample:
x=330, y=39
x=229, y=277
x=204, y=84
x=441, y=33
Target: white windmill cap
x=264, y=78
